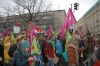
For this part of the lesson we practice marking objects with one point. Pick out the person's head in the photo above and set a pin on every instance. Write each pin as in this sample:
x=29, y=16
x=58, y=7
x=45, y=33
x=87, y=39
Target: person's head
x=97, y=46
x=26, y=50
x=45, y=37
x=76, y=32
x=58, y=36
x=39, y=52
x=98, y=43
x=26, y=47
x=71, y=31
x=7, y=39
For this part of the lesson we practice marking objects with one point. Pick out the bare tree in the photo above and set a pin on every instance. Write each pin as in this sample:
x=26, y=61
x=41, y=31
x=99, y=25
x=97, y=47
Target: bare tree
x=7, y=11
x=30, y=9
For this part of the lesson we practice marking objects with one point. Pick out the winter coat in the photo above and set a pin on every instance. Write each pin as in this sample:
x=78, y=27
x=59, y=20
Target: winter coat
x=6, y=55
x=59, y=48
x=43, y=47
x=20, y=58
x=49, y=50
x=72, y=55
x=6, y=43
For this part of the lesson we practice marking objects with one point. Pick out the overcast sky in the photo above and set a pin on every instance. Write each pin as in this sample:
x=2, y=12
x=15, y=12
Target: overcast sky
x=84, y=5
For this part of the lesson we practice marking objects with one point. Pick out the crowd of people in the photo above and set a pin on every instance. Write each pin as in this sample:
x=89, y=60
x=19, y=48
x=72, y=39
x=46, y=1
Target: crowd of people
x=70, y=50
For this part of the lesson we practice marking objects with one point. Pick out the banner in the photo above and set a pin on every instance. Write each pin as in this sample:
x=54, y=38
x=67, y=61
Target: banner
x=32, y=35
x=49, y=31
x=16, y=29
x=69, y=20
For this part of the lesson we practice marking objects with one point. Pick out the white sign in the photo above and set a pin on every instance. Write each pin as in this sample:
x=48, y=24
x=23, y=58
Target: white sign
x=16, y=29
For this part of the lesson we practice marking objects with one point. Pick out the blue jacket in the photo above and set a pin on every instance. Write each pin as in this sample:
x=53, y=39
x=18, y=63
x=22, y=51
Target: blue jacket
x=59, y=48
x=19, y=58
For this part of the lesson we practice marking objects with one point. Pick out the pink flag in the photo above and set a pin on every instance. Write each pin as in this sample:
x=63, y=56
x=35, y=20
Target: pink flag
x=69, y=20
x=49, y=31
x=32, y=35
x=32, y=31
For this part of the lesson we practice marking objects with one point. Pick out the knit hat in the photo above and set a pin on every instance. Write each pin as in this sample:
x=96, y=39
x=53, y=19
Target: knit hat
x=25, y=44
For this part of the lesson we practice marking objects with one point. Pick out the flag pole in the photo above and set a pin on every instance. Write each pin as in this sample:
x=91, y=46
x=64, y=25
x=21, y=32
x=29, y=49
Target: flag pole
x=71, y=6
x=71, y=10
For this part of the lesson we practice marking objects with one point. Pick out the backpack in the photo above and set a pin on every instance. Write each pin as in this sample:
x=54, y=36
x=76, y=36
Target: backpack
x=12, y=49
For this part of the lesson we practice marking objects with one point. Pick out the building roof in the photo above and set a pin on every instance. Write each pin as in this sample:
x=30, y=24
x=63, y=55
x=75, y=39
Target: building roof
x=40, y=12
x=54, y=11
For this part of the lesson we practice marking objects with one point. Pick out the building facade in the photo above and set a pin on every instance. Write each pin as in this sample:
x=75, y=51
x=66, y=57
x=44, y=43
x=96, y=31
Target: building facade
x=90, y=22
x=53, y=18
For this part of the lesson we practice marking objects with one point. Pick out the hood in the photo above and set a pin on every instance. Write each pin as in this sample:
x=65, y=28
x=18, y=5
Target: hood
x=6, y=39
x=25, y=44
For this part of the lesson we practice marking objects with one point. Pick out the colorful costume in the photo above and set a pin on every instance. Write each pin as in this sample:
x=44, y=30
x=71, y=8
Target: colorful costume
x=21, y=55
x=6, y=48
x=71, y=54
x=49, y=50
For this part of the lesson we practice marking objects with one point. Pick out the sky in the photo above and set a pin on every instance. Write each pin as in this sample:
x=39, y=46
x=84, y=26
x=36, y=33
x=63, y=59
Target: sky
x=84, y=5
